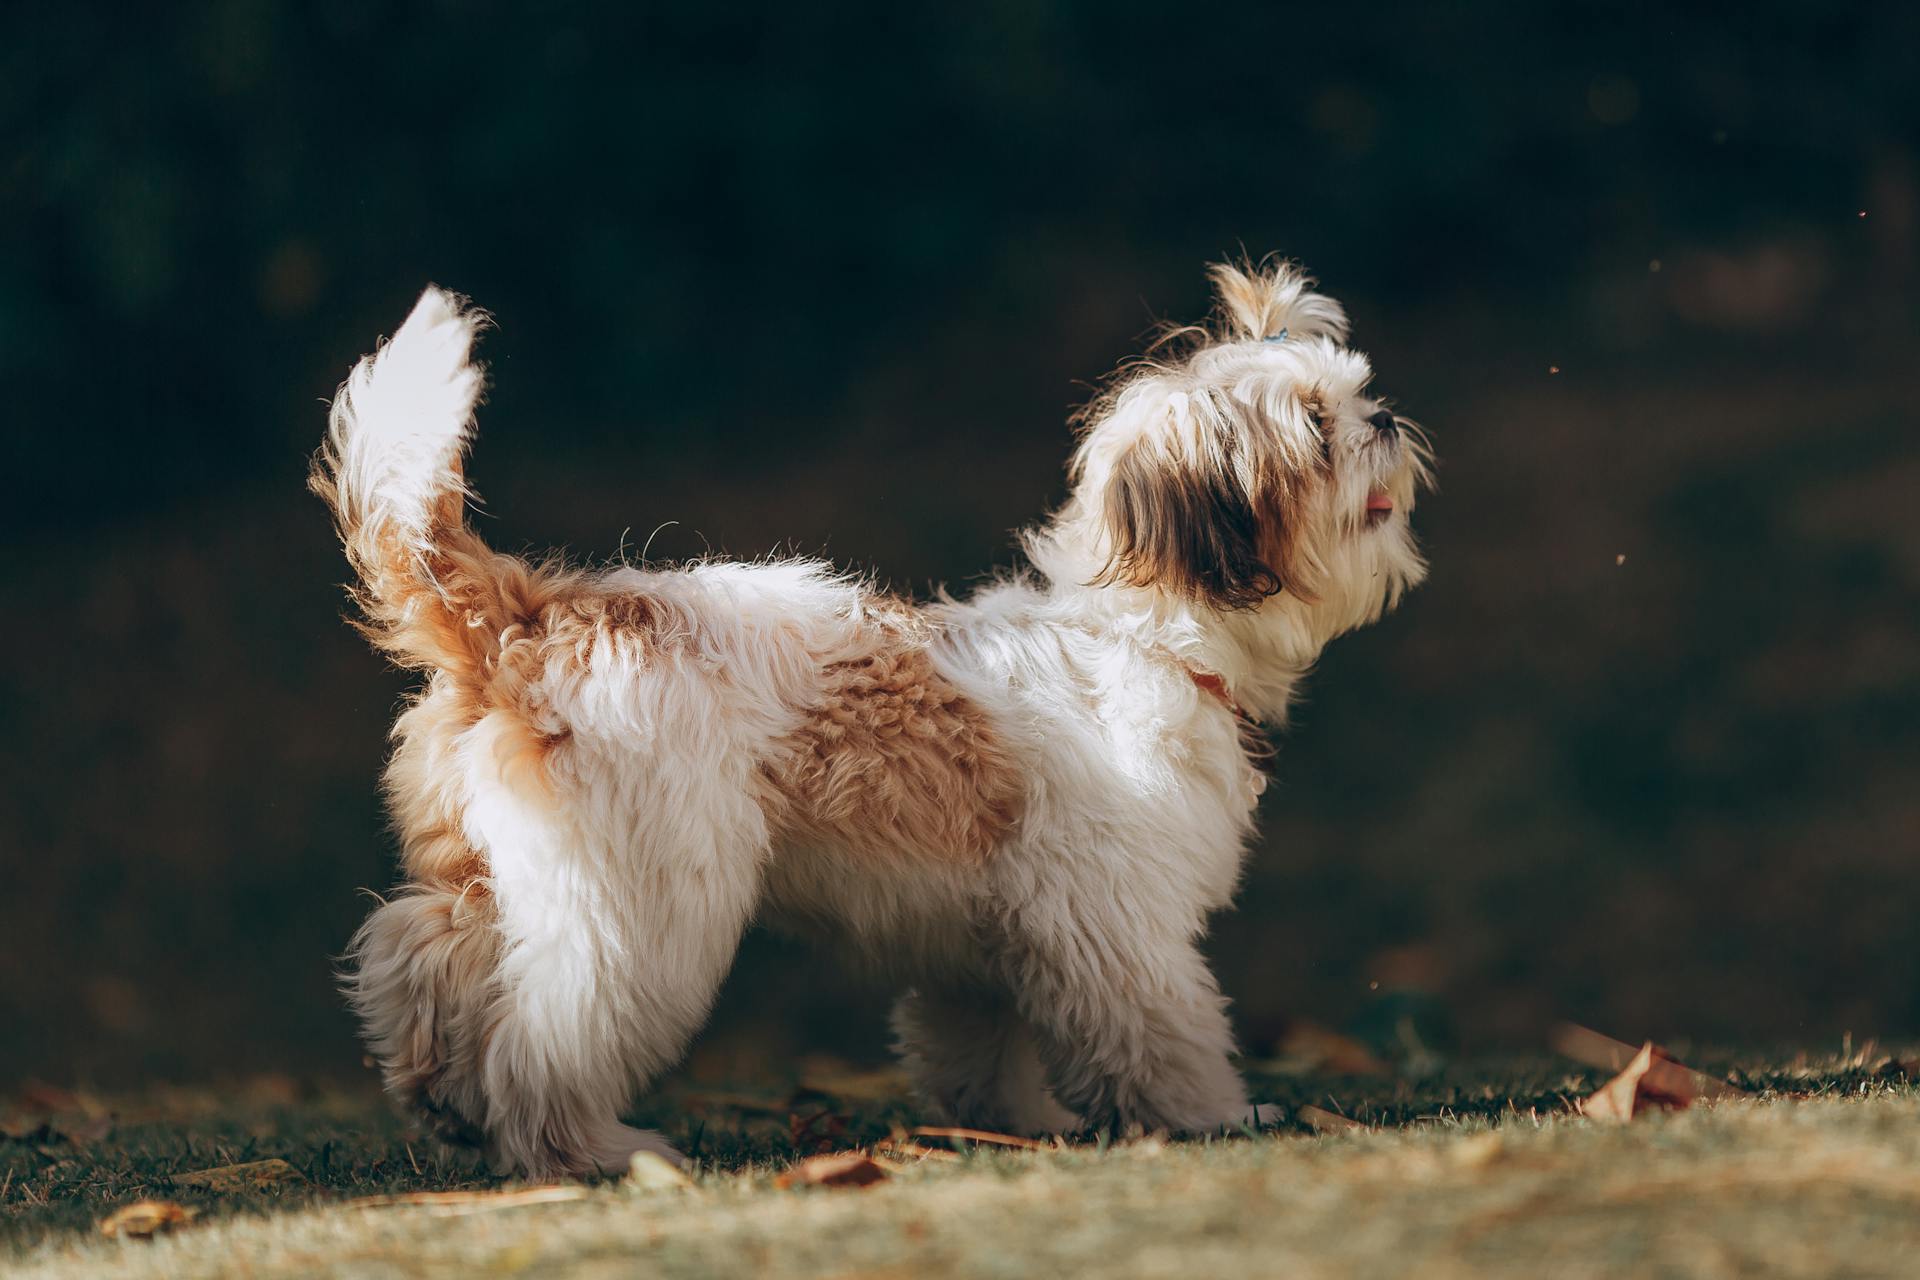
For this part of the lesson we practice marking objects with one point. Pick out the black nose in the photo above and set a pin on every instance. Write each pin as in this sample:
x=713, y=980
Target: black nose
x=1383, y=422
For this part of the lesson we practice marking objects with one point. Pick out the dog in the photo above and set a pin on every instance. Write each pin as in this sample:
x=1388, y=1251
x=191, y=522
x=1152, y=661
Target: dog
x=1020, y=807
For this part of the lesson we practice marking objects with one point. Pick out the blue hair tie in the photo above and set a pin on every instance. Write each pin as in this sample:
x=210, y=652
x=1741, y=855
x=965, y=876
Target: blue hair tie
x=1276, y=337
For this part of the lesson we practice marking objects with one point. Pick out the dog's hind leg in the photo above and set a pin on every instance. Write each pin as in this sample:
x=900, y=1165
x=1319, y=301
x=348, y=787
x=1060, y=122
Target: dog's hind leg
x=621, y=909
x=421, y=979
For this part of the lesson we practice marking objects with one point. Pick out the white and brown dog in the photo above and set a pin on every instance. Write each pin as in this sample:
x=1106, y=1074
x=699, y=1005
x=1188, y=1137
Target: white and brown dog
x=1021, y=807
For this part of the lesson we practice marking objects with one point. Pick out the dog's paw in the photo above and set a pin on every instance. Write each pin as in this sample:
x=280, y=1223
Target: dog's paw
x=1040, y=1116
x=1228, y=1119
x=615, y=1151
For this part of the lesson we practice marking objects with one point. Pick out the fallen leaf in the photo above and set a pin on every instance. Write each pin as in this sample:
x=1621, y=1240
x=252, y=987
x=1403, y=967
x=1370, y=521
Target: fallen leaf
x=250, y=1176
x=1324, y=1121
x=144, y=1219
x=816, y=1130
x=842, y=1169
x=1629, y=1093
x=1614, y=1100
x=650, y=1171
x=1665, y=1078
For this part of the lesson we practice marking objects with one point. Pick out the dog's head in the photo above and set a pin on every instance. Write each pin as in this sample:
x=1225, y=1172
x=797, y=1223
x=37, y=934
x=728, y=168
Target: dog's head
x=1246, y=468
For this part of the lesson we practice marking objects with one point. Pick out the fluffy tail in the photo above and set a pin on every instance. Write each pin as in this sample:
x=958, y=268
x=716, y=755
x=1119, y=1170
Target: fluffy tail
x=432, y=595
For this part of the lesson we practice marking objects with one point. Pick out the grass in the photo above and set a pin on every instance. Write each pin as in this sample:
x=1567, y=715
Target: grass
x=1475, y=1170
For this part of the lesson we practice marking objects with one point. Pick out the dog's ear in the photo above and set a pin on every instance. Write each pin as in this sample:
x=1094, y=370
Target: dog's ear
x=1185, y=523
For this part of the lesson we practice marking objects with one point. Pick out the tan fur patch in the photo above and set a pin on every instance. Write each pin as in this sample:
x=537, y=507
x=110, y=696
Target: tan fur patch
x=894, y=761
x=423, y=786
x=500, y=682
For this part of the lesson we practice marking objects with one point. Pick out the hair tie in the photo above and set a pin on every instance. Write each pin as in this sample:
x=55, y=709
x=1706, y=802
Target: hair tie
x=1276, y=337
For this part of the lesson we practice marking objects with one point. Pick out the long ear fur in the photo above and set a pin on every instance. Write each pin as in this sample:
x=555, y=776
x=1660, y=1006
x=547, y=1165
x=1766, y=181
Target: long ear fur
x=1186, y=525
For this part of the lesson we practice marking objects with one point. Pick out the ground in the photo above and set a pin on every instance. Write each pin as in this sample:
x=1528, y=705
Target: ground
x=1477, y=1169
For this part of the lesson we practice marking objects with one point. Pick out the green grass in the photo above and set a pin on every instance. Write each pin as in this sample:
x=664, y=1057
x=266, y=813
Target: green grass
x=1475, y=1170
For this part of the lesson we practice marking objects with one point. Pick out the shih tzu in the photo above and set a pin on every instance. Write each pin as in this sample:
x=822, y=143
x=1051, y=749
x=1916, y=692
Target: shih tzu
x=1020, y=807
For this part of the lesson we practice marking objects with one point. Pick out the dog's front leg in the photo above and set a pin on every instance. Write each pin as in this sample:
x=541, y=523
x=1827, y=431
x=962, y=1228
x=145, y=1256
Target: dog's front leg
x=1131, y=1024
x=974, y=1060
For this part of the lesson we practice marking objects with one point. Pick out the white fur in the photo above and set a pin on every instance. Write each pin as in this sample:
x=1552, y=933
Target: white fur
x=1055, y=983
x=400, y=424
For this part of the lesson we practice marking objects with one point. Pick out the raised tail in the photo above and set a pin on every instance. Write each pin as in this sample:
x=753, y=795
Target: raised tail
x=431, y=593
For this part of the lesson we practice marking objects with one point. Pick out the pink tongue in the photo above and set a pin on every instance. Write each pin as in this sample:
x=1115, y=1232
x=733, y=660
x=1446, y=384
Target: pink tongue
x=1379, y=501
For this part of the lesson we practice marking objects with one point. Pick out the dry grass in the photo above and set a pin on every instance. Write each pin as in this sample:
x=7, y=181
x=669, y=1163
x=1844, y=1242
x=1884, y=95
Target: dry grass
x=1473, y=1171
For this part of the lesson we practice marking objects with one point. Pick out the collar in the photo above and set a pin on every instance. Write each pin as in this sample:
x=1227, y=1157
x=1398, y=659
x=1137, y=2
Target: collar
x=1212, y=682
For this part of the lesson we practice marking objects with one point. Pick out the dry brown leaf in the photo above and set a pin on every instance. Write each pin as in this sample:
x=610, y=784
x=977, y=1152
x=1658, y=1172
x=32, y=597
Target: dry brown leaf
x=1637, y=1087
x=1324, y=1121
x=842, y=1169
x=251, y=1176
x=816, y=1130
x=144, y=1219
x=1666, y=1081
x=1616, y=1101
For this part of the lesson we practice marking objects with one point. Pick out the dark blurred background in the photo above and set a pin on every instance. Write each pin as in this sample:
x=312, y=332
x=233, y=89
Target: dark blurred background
x=1641, y=754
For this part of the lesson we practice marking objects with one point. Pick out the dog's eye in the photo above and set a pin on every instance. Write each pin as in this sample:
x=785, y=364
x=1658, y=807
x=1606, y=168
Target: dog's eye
x=1317, y=420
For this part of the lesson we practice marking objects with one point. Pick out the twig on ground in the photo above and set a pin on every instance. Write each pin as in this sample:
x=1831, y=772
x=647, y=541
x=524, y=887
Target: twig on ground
x=472, y=1201
x=979, y=1135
